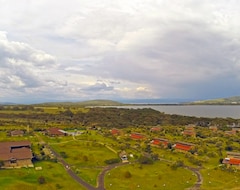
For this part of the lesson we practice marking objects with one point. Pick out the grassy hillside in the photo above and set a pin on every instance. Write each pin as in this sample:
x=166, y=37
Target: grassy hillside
x=221, y=101
x=84, y=103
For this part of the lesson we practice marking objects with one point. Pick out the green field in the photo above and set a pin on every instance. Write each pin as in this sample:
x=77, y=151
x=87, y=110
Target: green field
x=148, y=177
x=27, y=178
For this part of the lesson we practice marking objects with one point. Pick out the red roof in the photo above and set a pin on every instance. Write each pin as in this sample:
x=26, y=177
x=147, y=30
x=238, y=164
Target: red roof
x=137, y=136
x=183, y=147
x=115, y=131
x=234, y=161
x=159, y=141
x=18, y=150
x=54, y=131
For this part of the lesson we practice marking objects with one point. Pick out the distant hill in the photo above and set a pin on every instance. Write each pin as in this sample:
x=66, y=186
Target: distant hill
x=235, y=100
x=100, y=103
x=84, y=103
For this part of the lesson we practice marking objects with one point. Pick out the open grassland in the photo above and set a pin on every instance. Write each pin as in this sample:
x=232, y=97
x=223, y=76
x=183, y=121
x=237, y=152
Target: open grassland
x=86, y=158
x=216, y=179
x=148, y=177
x=27, y=178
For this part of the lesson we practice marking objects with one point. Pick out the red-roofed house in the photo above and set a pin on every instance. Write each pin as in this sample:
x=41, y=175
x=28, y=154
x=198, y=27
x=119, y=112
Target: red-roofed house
x=159, y=142
x=115, y=131
x=155, y=129
x=16, y=154
x=137, y=136
x=183, y=146
x=55, y=132
x=189, y=131
x=232, y=161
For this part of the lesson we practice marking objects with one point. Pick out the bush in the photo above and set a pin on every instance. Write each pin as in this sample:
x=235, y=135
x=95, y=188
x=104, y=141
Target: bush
x=112, y=161
x=41, y=180
x=145, y=160
x=127, y=174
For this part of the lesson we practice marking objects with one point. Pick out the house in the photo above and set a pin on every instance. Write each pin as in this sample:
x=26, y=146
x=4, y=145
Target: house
x=213, y=128
x=160, y=142
x=53, y=132
x=155, y=129
x=115, y=131
x=183, y=146
x=123, y=156
x=232, y=161
x=17, y=133
x=16, y=154
x=189, y=131
x=137, y=136
x=230, y=133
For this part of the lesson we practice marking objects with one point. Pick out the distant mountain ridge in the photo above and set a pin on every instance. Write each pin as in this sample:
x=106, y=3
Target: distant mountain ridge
x=84, y=103
x=235, y=100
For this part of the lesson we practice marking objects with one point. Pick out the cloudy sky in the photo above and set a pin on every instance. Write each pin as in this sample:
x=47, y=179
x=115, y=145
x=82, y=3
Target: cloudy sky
x=118, y=49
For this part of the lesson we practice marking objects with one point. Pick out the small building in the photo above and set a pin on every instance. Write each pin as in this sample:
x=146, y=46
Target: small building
x=213, y=128
x=16, y=154
x=53, y=132
x=137, y=136
x=159, y=142
x=189, y=131
x=232, y=161
x=115, y=132
x=123, y=156
x=230, y=133
x=155, y=129
x=17, y=133
x=183, y=146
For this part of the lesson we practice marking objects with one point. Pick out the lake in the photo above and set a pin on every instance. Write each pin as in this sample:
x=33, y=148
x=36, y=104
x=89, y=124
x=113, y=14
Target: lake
x=211, y=111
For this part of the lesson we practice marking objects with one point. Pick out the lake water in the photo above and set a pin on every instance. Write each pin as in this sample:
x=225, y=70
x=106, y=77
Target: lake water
x=211, y=111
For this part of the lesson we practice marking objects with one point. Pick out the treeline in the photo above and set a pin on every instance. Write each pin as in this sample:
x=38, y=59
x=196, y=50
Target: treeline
x=112, y=117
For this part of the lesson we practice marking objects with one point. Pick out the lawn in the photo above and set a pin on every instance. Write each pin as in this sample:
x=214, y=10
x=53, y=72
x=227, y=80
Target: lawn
x=148, y=177
x=85, y=157
x=27, y=178
x=217, y=179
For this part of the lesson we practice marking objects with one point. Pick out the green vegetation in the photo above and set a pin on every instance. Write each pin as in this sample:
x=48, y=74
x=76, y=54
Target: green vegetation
x=95, y=148
x=221, y=101
x=157, y=176
x=52, y=176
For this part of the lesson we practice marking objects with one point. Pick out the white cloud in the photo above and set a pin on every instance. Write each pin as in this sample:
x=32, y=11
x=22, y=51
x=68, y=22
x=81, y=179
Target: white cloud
x=139, y=48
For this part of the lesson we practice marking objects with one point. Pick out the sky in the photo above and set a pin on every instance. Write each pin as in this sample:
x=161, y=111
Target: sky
x=74, y=50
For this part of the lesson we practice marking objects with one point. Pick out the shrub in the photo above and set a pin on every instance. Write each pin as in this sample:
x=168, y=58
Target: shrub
x=41, y=180
x=127, y=174
x=112, y=161
x=145, y=160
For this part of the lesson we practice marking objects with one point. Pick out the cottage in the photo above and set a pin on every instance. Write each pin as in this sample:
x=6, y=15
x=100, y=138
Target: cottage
x=189, y=131
x=53, y=132
x=18, y=133
x=115, y=131
x=137, y=136
x=155, y=129
x=123, y=156
x=160, y=142
x=183, y=146
x=16, y=154
x=232, y=161
x=213, y=128
x=230, y=133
